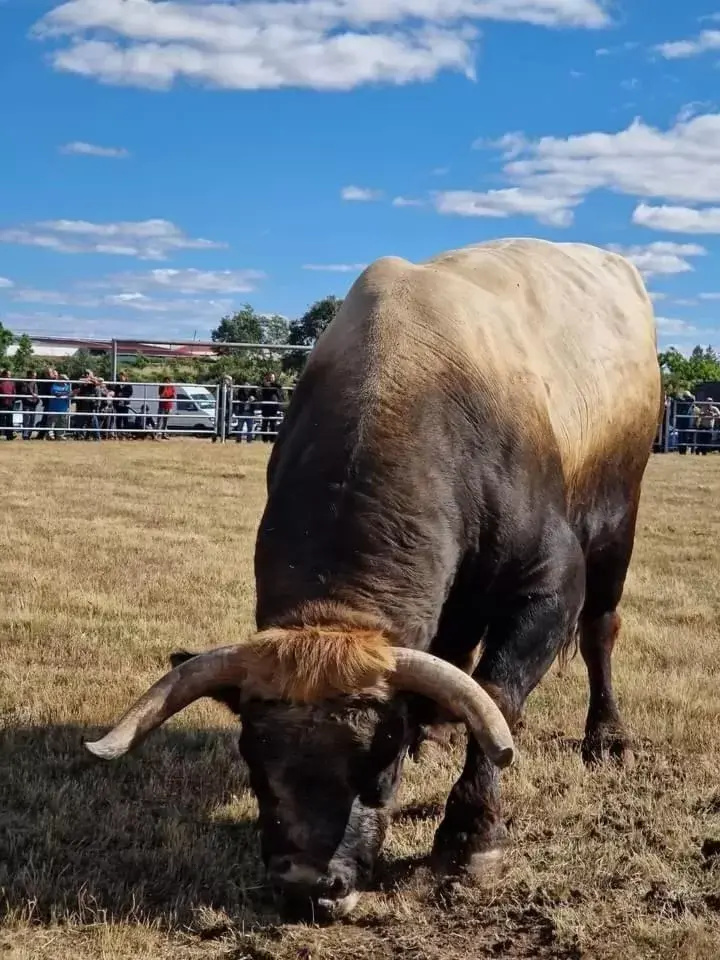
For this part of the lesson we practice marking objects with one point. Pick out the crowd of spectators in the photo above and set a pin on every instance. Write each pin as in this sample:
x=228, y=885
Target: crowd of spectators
x=696, y=425
x=52, y=407
x=46, y=402
x=240, y=404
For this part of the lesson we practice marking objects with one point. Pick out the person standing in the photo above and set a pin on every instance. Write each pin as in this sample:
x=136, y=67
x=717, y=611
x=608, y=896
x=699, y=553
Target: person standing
x=7, y=404
x=165, y=407
x=30, y=403
x=271, y=396
x=244, y=400
x=123, y=391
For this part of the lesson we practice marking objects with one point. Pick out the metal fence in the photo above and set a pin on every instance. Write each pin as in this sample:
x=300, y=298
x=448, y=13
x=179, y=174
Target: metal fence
x=90, y=409
x=689, y=427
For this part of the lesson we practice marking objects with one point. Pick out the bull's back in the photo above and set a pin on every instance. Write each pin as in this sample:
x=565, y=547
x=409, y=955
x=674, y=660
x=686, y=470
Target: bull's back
x=570, y=328
x=552, y=342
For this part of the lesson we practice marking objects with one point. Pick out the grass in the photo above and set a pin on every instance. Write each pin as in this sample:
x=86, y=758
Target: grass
x=112, y=556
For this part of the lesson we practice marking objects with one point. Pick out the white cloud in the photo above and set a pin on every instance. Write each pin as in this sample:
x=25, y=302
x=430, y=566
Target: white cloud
x=407, y=202
x=132, y=301
x=709, y=296
x=5, y=283
x=143, y=304
x=678, y=219
x=692, y=109
x=145, y=239
x=335, y=267
x=362, y=194
x=705, y=42
x=105, y=327
x=656, y=295
x=91, y=150
x=511, y=144
x=670, y=325
x=662, y=257
x=554, y=174
x=622, y=48
x=513, y=201
x=323, y=44
x=189, y=280
x=56, y=298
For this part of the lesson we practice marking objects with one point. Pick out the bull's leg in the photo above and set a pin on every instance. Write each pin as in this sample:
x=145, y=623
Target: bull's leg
x=522, y=642
x=607, y=565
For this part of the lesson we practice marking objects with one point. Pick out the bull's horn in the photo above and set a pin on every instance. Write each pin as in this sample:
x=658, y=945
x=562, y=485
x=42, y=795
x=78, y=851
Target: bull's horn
x=452, y=688
x=176, y=690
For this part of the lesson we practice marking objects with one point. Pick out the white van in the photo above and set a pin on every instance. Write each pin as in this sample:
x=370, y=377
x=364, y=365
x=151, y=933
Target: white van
x=194, y=408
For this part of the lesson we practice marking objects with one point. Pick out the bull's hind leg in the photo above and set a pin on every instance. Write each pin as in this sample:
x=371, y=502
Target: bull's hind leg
x=529, y=628
x=607, y=565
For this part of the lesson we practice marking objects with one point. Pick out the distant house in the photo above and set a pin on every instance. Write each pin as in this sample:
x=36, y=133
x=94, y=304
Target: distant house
x=57, y=347
x=45, y=351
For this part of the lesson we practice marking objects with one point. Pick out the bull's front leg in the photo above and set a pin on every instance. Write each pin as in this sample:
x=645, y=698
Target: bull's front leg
x=521, y=645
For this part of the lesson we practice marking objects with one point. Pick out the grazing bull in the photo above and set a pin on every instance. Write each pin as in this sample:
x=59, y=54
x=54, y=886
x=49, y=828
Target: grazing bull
x=461, y=463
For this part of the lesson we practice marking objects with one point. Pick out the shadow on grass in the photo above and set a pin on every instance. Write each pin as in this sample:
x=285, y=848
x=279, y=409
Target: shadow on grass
x=153, y=836
x=165, y=835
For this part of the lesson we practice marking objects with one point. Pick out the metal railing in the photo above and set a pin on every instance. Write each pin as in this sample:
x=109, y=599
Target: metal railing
x=92, y=409
x=689, y=427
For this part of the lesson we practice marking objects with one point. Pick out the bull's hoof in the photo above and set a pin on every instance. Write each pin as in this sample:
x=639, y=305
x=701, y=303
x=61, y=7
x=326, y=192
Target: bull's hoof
x=476, y=858
x=607, y=744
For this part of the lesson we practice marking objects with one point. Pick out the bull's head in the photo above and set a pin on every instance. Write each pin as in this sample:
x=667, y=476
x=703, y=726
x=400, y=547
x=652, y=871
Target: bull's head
x=323, y=739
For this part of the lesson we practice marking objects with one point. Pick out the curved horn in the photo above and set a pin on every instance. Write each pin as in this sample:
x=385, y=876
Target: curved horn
x=176, y=690
x=456, y=691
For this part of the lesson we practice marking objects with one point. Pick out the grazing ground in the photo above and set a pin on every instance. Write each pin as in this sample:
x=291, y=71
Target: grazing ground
x=113, y=555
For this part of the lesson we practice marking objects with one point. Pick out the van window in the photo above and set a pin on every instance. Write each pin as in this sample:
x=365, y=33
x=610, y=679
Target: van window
x=202, y=398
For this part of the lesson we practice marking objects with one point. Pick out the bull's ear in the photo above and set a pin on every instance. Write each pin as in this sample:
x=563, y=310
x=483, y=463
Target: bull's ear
x=228, y=696
x=180, y=656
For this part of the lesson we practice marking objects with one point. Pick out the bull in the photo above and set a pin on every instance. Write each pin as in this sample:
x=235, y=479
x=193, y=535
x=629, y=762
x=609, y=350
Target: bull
x=451, y=506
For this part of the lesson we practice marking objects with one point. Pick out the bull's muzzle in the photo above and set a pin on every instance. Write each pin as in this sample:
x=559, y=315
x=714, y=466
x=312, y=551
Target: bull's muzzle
x=306, y=893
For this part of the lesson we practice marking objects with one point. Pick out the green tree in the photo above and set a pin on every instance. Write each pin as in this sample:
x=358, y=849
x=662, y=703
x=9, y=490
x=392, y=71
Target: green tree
x=683, y=373
x=22, y=360
x=245, y=326
x=6, y=338
x=305, y=331
x=275, y=328
x=74, y=367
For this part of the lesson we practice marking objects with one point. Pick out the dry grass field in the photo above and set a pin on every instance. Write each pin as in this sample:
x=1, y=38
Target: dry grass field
x=113, y=555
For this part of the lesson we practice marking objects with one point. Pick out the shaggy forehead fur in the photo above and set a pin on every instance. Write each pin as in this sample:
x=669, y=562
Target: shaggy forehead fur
x=324, y=652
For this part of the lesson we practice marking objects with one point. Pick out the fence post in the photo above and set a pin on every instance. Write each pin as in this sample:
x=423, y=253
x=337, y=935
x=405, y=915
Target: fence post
x=220, y=408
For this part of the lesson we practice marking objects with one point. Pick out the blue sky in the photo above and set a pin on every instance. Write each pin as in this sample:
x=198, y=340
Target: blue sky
x=164, y=162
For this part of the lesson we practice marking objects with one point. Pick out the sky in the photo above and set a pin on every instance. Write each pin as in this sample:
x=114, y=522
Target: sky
x=163, y=163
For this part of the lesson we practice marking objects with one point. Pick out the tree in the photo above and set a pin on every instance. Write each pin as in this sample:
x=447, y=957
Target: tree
x=682, y=373
x=305, y=331
x=275, y=328
x=74, y=367
x=22, y=360
x=6, y=338
x=245, y=326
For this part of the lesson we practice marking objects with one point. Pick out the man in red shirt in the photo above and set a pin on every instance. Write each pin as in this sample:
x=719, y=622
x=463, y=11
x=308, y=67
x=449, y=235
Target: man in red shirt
x=165, y=407
x=7, y=404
